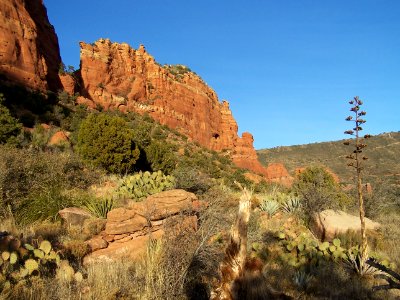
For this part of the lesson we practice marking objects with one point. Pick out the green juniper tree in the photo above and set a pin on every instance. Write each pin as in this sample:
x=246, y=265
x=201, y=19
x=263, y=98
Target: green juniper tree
x=9, y=126
x=107, y=141
x=357, y=159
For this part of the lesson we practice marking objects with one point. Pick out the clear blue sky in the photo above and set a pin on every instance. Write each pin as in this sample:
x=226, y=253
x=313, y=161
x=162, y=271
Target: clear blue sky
x=286, y=67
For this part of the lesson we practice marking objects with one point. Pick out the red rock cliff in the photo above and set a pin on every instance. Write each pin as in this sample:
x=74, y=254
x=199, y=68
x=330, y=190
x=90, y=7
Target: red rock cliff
x=116, y=76
x=29, y=51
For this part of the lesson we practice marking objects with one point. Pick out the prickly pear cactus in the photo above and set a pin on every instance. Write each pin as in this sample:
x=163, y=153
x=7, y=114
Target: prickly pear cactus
x=304, y=250
x=19, y=261
x=143, y=184
x=301, y=250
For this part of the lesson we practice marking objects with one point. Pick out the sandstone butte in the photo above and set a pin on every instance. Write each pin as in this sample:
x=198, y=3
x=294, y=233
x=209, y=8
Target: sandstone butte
x=116, y=76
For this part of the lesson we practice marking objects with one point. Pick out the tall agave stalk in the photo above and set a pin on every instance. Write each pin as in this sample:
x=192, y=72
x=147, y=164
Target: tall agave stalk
x=356, y=161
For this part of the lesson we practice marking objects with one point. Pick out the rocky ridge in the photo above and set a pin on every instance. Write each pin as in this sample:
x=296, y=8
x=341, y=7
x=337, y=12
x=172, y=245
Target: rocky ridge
x=116, y=76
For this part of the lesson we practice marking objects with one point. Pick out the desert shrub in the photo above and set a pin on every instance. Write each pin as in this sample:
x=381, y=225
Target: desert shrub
x=107, y=141
x=318, y=191
x=26, y=175
x=191, y=179
x=161, y=157
x=40, y=137
x=9, y=126
x=42, y=205
x=141, y=130
x=385, y=197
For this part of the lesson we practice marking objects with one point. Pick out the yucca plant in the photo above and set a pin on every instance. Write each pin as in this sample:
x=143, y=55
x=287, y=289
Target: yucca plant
x=270, y=207
x=356, y=262
x=302, y=279
x=99, y=207
x=291, y=205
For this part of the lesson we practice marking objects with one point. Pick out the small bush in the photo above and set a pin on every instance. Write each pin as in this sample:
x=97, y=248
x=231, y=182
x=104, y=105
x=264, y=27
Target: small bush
x=318, y=191
x=191, y=179
x=43, y=205
x=161, y=157
x=107, y=141
x=9, y=126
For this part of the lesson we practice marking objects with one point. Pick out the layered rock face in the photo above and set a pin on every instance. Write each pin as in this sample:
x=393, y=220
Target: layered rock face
x=117, y=76
x=128, y=230
x=29, y=51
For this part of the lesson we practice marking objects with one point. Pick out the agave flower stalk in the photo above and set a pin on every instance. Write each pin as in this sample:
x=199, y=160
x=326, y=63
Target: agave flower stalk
x=356, y=161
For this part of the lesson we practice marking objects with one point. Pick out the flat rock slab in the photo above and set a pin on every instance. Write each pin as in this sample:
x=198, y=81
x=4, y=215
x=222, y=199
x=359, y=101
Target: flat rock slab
x=164, y=204
x=328, y=223
x=134, y=223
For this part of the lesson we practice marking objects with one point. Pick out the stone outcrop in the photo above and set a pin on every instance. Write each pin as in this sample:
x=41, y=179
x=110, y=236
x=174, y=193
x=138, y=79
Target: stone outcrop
x=328, y=223
x=59, y=138
x=128, y=229
x=116, y=76
x=29, y=51
x=276, y=172
x=74, y=216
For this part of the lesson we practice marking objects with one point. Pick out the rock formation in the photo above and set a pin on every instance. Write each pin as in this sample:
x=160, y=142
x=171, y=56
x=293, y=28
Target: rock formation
x=328, y=223
x=276, y=172
x=29, y=52
x=117, y=76
x=127, y=230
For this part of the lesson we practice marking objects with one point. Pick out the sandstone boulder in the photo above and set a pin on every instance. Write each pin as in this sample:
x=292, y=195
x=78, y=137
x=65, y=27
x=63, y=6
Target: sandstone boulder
x=276, y=172
x=59, y=138
x=132, y=249
x=74, y=216
x=164, y=204
x=121, y=220
x=128, y=229
x=329, y=223
x=97, y=243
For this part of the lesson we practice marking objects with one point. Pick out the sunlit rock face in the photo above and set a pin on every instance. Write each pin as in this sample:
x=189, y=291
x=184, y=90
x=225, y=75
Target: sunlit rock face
x=29, y=52
x=117, y=76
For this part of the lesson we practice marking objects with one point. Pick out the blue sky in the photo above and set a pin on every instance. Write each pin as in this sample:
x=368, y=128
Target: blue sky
x=286, y=67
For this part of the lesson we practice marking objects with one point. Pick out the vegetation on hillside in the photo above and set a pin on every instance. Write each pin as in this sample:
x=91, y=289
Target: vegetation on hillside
x=383, y=151
x=114, y=159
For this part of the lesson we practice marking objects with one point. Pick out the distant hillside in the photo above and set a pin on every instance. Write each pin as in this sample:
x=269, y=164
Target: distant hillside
x=383, y=151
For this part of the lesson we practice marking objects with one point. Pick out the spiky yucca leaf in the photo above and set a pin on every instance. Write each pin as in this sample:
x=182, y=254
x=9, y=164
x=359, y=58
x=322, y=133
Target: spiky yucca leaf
x=100, y=208
x=270, y=207
x=291, y=205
